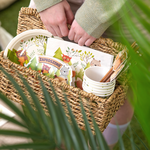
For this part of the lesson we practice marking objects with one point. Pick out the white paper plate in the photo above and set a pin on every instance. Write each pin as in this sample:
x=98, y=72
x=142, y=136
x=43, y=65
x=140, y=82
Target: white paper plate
x=78, y=57
x=6, y=112
x=29, y=40
x=51, y=67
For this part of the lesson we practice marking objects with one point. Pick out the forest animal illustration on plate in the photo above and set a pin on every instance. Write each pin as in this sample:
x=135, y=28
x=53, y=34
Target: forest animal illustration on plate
x=79, y=60
x=21, y=58
x=66, y=58
x=45, y=68
x=95, y=62
x=64, y=71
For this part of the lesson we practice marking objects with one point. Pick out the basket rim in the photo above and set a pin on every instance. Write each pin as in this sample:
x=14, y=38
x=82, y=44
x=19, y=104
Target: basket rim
x=33, y=12
x=27, y=13
x=64, y=86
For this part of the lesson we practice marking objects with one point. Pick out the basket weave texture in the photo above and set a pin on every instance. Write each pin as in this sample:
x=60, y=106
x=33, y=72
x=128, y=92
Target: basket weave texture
x=103, y=109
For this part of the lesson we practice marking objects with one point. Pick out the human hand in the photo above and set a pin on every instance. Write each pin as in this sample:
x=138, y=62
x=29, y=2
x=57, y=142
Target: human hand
x=78, y=35
x=57, y=17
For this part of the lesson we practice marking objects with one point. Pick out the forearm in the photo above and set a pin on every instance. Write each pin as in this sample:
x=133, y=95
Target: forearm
x=95, y=16
x=44, y=4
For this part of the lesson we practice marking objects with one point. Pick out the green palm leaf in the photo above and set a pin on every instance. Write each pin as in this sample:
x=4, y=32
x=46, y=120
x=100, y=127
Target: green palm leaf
x=25, y=100
x=41, y=113
x=140, y=80
x=53, y=111
x=88, y=129
x=101, y=141
x=33, y=146
x=66, y=124
x=78, y=132
x=12, y=120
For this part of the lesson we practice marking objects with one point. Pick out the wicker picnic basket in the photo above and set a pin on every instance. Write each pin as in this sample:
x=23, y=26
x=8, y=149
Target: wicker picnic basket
x=103, y=109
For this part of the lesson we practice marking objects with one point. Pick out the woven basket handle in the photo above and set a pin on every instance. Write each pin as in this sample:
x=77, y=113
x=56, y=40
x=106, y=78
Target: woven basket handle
x=29, y=18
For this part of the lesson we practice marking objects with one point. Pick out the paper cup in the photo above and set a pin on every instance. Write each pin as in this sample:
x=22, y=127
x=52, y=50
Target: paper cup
x=99, y=84
x=103, y=91
x=95, y=74
x=97, y=94
x=92, y=84
x=100, y=87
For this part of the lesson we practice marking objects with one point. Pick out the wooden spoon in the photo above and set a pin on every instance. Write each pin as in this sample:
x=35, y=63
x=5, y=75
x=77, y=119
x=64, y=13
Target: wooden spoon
x=120, y=58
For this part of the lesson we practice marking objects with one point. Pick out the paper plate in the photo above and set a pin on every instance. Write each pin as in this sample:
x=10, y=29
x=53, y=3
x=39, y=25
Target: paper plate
x=51, y=67
x=27, y=44
x=78, y=57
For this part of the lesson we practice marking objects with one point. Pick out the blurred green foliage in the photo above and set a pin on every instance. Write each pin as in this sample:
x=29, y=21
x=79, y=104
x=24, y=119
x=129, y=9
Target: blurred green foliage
x=9, y=16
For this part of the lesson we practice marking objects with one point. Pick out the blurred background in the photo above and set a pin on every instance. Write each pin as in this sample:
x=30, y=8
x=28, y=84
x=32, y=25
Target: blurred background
x=9, y=11
x=9, y=14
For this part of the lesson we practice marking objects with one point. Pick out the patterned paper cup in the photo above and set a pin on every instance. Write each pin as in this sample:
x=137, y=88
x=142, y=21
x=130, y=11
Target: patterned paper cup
x=92, y=84
x=97, y=90
x=101, y=85
x=98, y=87
x=97, y=93
x=94, y=74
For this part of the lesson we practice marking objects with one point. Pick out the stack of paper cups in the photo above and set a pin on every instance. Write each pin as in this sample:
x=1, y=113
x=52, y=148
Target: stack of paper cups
x=92, y=84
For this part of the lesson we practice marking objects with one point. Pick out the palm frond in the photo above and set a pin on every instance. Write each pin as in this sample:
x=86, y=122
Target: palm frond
x=64, y=132
x=139, y=69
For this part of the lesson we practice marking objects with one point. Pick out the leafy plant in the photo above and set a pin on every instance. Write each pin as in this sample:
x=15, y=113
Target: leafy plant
x=138, y=26
x=49, y=132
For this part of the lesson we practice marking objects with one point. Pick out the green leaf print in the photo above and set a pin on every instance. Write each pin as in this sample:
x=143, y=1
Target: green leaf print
x=12, y=56
x=58, y=54
x=33, y=63
x=87, y=66
x=45, y=45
